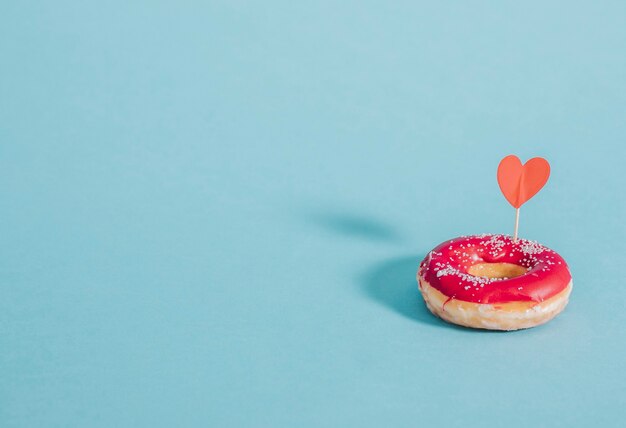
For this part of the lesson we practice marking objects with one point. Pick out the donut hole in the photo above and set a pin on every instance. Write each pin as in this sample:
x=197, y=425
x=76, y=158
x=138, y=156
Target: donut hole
x=496, y=270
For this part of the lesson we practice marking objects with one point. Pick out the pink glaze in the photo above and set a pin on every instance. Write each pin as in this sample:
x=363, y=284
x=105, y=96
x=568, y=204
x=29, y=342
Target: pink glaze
x=445, y=268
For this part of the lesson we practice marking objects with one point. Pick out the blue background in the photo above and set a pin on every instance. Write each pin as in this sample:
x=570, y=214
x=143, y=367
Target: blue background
x=211, y=214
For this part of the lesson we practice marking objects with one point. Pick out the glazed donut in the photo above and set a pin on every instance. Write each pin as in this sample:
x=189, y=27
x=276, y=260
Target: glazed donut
x=491, y=282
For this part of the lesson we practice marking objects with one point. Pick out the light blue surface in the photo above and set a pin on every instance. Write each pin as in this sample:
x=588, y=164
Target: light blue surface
x=212, y=213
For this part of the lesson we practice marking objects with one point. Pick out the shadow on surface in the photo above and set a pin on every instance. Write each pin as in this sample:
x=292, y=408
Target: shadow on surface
x=392, y=283
x=356, y=226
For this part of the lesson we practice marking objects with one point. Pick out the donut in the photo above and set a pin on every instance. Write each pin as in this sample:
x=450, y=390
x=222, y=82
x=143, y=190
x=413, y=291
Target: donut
x=493, y=282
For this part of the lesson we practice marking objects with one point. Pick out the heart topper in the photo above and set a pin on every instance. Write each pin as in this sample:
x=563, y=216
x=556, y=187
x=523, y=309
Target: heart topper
x=519, y=183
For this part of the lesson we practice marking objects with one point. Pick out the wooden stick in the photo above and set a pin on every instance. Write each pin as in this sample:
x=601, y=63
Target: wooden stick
x=516, y=224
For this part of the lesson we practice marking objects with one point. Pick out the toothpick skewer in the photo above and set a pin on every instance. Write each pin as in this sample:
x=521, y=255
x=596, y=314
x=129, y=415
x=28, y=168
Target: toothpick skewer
x=519, y=183
x=516, y=224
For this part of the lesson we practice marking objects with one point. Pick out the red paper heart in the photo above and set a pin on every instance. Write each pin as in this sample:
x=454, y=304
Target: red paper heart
x=518, y=182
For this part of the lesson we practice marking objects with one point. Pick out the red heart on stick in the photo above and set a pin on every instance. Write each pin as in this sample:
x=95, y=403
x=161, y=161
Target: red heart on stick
x=518, y=182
